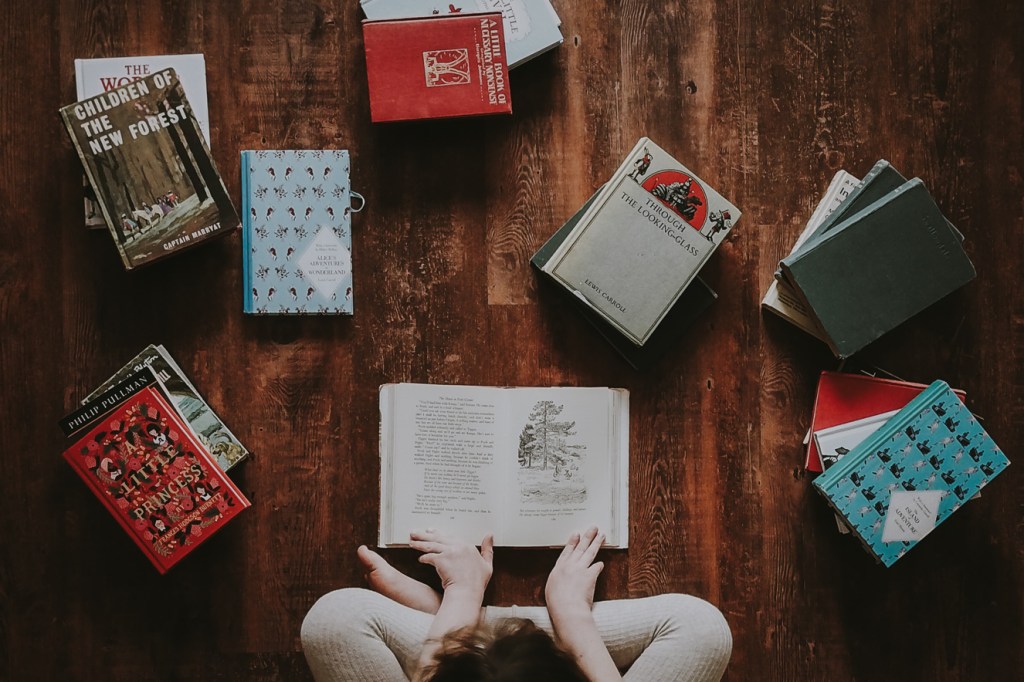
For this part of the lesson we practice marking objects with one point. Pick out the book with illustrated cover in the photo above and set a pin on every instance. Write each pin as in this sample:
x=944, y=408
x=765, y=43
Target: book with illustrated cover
x=215, y=436
x=449, y=65
x=141, y=461
x=844, y=397
x=879, y=268
x=695, y=299
x=297, y=232
x=530, y=465
x=96, y=76
x=531, y=26
x=912, y=473
x=642, y=242
x=150, y=168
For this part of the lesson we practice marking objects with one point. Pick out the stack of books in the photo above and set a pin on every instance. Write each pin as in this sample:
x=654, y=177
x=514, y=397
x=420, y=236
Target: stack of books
x=872, y=256
x=893, y=476
x=629, y=258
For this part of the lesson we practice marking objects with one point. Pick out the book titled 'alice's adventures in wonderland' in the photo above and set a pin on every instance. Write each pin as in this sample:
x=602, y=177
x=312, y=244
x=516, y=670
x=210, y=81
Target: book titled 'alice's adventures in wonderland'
x=150, y=167
x=911, y=474
x=297, y=234
x=140, y=459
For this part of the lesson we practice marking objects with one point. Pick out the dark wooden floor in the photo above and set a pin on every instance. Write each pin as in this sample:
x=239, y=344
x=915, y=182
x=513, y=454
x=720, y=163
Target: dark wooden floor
x=765, y=103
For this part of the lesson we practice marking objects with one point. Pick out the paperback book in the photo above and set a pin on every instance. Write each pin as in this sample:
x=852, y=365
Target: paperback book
x=96, y=76
x=296, y=232
x=531, y=27
x=204, y=423
x=150, y=168
x=912, y=473
x=642, y=241
x=439, y=67
x=141, y=461
x=530, y=465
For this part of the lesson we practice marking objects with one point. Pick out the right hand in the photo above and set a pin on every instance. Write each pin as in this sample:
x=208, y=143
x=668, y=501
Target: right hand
x=458, y=564
x=570, y=587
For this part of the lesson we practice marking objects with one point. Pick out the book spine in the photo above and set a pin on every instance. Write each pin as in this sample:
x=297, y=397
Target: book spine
x=852, y=460
x=247, y=304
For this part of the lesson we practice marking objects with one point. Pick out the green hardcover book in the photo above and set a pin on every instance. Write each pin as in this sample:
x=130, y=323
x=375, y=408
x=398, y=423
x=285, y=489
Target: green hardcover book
x=879, y=267
x=693, y=301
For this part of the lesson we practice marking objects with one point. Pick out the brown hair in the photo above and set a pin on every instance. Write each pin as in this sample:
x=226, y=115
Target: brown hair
x=514, y=651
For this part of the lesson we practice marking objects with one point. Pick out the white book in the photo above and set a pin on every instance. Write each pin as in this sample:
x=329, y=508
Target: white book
x=96, y=76
x=780, y=298
x=531, y=26
x=531, y=465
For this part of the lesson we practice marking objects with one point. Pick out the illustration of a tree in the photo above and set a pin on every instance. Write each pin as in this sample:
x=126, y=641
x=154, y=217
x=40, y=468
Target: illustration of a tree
x=544, y=441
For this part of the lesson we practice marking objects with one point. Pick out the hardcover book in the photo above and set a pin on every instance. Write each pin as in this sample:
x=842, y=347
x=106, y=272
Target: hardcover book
x=96, y=76
x=141, y=461
x=150, y=168
x=695, y=299
x=879, y=267
x=913, y=473
x=844, y=398
x=215, y=436
x=530, y=465
x=836, y=442
x=438, y=67
x=531, y=26
x=297, y=232
x=642, y=242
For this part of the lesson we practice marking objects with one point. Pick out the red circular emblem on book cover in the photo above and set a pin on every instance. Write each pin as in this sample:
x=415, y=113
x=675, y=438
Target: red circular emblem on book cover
x=681, y=193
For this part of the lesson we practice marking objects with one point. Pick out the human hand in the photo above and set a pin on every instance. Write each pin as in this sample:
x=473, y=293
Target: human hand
x=459, y=565
x=570, y=587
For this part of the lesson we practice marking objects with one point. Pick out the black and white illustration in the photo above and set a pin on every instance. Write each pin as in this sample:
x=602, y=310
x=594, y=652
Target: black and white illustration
x=550, y=458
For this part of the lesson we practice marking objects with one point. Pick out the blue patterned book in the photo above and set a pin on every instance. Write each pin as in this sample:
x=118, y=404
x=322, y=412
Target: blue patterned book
x=913, y=473
x=297, y=237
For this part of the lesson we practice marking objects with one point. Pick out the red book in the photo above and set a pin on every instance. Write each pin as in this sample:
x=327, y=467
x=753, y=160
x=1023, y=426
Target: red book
x=843, y=398
x=142, y=461
x=437, y=67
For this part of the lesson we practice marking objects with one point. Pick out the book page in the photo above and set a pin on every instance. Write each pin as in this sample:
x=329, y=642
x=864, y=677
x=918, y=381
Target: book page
x=443, y=470
x=563, y=473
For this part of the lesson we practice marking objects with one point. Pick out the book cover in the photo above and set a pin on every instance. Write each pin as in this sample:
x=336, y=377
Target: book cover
x=842, y=398
x=213, y=433
x=530, y=465
x=642, y=242
x=96, y=76
x=879, y=268
x=297, y=232
x=531, y=26
x=913, y=473
x=438, y=67
x=148, y=163
x=836, y=442
x=694, y=300
x=156, y=480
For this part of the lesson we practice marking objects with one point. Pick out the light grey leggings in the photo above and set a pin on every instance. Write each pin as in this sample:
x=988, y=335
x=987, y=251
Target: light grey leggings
x=358, y=635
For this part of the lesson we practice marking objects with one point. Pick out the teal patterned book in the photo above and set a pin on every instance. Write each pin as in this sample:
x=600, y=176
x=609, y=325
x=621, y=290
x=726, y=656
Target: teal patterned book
x=913, y=473
x=297, y=232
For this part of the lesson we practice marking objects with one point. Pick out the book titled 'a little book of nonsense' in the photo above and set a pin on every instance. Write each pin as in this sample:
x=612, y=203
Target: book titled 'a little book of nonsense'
x=297, y=232
x=634, y=252
x=438, y=67
x=912, y=473
x=150, y=167
x=142, y=462
x=531, y=465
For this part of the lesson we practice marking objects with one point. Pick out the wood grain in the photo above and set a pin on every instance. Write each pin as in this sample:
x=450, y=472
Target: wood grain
x=764, y=101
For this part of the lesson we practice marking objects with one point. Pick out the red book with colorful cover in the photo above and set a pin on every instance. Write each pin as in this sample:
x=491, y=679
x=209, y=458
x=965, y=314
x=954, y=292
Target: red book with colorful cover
x=141, y=459
x=437, y=67
x=843, y=398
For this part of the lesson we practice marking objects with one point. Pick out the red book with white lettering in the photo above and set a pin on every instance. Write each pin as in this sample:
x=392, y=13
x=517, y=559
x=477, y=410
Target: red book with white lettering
x=150, y=471
x=437, y=67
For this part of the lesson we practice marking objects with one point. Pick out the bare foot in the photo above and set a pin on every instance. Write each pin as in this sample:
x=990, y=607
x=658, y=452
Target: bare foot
x=392, y=583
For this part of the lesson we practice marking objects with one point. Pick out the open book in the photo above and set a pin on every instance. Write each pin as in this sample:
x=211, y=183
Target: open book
x=530, y=465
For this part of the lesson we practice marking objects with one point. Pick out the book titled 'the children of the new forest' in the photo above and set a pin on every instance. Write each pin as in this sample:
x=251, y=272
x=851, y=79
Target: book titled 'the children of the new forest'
x=150, y=167
x=140, y=459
